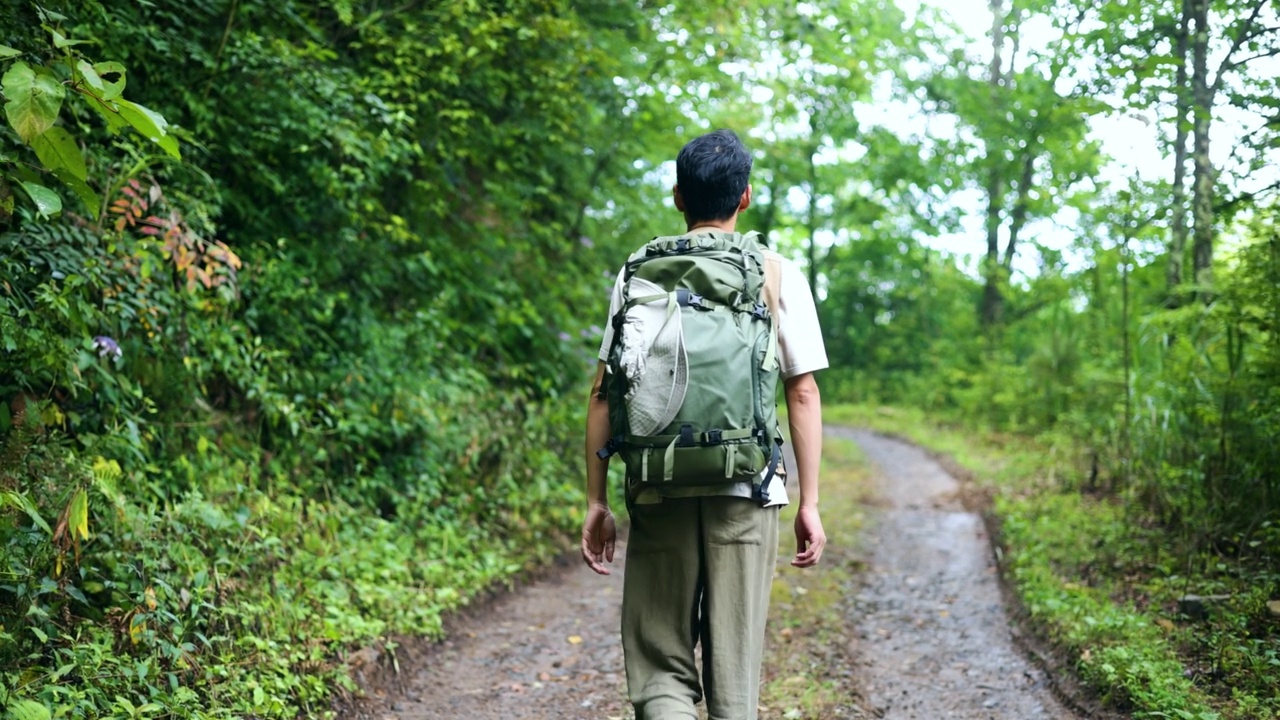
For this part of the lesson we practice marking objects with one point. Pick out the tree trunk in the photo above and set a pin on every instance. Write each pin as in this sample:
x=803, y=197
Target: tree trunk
x=813, y=221
x=992, y=295
x=1018, y=218
x=1178, y=231
x=1203, y=187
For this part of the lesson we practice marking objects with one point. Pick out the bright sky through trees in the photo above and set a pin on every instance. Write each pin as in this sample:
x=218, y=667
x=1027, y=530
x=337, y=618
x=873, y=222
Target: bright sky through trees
x=1128, y=138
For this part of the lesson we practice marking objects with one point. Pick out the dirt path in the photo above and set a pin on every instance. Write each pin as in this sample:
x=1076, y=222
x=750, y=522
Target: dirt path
x=549, y=651
x=933, y=637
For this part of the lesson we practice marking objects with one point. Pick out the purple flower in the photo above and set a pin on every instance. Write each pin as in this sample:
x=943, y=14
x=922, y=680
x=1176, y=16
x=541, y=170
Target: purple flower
x=565, y=337
x=107, y=346
x=586, y=242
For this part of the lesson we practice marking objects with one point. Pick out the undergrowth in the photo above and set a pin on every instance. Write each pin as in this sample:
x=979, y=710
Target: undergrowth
x=1103, y=583
x=243, y=596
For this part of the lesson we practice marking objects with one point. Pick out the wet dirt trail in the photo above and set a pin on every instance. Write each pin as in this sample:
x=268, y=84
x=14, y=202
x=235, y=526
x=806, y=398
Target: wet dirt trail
x=932, y=636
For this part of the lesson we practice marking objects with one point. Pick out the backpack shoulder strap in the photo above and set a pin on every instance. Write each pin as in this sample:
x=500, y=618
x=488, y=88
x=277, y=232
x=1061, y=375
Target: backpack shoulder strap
x=772, y=293
x=772, y=282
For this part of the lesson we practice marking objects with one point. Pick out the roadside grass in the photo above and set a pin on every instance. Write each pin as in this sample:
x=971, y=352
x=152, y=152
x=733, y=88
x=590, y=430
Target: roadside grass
x=1101, y=583
x=808, y=667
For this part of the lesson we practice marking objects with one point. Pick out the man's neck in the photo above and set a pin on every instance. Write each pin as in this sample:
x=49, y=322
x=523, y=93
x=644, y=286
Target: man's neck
x=727, y=225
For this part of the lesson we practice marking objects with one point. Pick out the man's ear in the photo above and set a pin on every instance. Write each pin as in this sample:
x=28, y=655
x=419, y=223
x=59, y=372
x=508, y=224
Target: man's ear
x=675, y=195
x=745, y=201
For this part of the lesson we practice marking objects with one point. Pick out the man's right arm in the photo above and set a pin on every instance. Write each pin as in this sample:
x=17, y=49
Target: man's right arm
x=598, y=530
x=804, y=415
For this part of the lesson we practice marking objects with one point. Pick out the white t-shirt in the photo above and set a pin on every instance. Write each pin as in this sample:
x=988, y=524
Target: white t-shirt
x=800, y=351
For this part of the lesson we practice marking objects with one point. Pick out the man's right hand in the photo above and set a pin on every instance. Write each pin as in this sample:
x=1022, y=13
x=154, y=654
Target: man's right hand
x=810, y=538
x=598, y=536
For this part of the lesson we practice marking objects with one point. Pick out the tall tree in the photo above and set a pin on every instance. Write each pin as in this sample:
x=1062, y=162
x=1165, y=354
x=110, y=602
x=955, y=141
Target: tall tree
x=1178, y=224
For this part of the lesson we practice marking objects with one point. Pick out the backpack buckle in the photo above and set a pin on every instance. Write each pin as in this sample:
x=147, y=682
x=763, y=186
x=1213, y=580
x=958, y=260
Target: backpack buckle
x=759, y=312
x=690, y=299
x=682, y=244
x=714, y=437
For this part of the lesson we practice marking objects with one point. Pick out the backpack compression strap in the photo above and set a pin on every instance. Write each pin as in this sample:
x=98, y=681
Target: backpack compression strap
x=775, y=457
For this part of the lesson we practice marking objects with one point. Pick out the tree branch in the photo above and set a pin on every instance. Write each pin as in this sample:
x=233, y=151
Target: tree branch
x=1242, y=36
x=1232, y=66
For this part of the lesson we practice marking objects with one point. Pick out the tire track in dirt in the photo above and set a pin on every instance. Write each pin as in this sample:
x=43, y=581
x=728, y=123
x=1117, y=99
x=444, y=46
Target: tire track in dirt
x=934, y=637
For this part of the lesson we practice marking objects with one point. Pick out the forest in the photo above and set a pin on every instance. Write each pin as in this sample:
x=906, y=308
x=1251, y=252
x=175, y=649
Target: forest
x=300, y=302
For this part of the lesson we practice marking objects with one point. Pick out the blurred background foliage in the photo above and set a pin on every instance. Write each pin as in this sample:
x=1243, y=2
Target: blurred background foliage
x=297, y=299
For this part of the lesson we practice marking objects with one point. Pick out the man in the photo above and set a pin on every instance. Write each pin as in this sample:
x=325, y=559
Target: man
x=700, y=560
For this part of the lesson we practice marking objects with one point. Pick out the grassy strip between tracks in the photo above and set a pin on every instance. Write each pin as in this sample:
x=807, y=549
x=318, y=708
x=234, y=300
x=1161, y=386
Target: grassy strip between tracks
x=1102, y=584
x=808, y=668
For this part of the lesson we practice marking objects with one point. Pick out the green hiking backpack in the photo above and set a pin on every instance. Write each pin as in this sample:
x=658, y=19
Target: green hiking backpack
x=693, y=368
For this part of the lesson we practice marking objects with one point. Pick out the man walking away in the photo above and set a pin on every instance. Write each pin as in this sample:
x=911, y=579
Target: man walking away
x=701, y=328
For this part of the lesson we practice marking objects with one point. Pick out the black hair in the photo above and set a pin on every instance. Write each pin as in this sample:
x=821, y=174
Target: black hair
x=712, y=171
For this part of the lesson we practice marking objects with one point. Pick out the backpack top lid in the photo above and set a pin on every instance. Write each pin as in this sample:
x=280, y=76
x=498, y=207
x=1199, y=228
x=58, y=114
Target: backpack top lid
x=654, y=360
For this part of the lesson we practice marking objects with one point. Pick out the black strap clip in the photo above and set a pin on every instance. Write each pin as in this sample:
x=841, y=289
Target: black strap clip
x=686, y=436
x=682, y=244
x=760, y=312
x=610, y=448
x=715, y=437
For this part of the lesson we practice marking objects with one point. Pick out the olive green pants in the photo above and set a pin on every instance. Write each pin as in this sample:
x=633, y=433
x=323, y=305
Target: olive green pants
x=698, y=569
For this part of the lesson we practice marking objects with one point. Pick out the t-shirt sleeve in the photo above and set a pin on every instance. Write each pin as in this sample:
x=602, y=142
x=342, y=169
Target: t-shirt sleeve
x=615, y=301
x=800, y=346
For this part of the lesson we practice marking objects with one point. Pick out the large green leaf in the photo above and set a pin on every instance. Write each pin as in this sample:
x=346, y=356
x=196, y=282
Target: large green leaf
x=8, y=52
x=47, y=201
x=150, y=124
x=58, y=150
x=92, y=201
x=33, y=99
x=109, y=115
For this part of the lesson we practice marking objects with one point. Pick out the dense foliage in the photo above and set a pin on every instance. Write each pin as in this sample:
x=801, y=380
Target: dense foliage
x=285, y=349
x=296, y=298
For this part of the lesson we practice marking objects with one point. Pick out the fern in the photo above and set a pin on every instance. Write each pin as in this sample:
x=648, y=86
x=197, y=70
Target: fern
x=28, y=710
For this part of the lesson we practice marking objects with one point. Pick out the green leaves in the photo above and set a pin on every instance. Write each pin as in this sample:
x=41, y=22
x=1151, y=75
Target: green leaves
x=33, y=99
